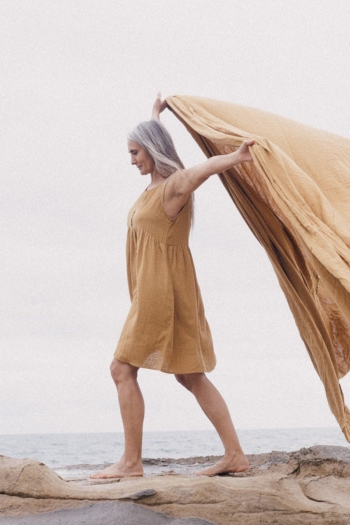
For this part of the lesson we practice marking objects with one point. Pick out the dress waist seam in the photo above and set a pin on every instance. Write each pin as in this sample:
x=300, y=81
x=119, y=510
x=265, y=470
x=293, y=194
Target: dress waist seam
x=158, y=240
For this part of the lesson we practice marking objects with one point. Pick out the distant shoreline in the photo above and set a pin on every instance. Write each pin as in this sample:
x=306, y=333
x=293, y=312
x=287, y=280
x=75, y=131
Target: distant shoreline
x=62, y=450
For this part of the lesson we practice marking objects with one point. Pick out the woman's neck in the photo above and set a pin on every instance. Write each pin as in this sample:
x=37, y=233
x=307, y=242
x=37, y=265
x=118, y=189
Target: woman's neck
x=156, y=179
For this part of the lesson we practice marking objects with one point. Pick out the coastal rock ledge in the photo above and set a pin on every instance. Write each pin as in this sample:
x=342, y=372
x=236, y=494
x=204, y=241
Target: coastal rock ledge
x=310, y=486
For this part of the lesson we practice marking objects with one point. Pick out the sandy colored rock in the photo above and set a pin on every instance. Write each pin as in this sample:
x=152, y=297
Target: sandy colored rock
x=311, y=486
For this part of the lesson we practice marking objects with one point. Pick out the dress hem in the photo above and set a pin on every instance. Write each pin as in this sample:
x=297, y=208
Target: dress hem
x=207, y=371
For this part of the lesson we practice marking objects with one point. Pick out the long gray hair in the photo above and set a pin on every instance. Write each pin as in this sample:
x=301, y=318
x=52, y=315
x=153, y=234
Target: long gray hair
x=156, y=139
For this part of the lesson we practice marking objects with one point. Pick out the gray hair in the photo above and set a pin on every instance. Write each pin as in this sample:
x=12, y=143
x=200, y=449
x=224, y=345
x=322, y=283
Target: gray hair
x=156, y=139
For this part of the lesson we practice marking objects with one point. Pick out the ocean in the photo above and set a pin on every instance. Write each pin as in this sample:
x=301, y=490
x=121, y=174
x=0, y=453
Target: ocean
x=75, y=454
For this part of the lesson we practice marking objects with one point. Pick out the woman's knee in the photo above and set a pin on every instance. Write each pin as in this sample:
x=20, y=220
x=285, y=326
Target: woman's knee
x=190, y=381
x=122, y=371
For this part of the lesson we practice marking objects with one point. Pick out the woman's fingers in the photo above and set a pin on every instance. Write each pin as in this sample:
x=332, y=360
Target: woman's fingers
x=244, y=152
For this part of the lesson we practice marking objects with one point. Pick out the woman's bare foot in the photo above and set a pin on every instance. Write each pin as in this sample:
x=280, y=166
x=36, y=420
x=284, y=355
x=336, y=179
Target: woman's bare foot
x=122, y=469
x=229, y=464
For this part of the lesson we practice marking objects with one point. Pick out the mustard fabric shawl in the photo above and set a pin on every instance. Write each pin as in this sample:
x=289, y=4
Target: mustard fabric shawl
x=296, y=200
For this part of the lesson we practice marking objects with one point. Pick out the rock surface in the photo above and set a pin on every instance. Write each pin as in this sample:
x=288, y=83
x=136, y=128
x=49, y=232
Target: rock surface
x=311, y=486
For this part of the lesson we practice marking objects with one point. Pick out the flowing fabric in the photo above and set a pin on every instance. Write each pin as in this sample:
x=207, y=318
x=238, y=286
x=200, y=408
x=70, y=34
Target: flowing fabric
x=295, y=198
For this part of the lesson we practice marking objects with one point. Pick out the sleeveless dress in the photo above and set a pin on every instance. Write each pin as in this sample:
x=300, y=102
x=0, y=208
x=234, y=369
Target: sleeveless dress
x=166, y=328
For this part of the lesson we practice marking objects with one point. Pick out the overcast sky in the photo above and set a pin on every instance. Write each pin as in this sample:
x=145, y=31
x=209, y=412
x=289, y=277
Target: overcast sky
x=76, y=76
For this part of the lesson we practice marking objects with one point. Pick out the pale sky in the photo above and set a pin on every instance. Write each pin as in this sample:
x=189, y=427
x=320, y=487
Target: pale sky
x=77, y=75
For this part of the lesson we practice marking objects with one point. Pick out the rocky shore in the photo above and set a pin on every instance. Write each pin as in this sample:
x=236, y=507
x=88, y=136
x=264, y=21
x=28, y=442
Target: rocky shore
x=310, y=486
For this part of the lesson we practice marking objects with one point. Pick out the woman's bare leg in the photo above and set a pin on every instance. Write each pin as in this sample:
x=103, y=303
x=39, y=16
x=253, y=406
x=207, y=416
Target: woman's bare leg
x=215, y=408
x=132, y=410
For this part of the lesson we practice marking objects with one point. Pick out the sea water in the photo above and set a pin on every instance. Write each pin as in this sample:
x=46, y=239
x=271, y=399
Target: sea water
x=62, y=450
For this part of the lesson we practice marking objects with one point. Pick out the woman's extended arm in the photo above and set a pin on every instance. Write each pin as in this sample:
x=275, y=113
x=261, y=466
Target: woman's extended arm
x=190, y=179
x=182, y=183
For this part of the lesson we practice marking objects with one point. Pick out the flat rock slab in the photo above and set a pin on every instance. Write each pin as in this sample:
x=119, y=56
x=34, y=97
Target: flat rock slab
x=310, y=486
x=104, y=513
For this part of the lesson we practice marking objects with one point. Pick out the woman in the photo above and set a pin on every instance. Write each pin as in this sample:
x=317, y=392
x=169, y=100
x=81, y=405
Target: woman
x=166, y=327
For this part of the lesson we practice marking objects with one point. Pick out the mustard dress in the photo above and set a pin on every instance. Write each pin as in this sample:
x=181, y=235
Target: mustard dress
x=166, y=328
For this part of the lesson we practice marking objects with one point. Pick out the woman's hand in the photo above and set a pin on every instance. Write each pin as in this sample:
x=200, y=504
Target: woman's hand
x=243, y=152
x=158, y=106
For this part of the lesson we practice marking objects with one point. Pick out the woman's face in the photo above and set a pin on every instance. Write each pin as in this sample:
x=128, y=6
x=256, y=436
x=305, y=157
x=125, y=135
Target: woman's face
x=140, y=158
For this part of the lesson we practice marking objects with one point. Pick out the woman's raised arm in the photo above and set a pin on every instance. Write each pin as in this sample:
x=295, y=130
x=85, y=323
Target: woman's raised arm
x=158, y=106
